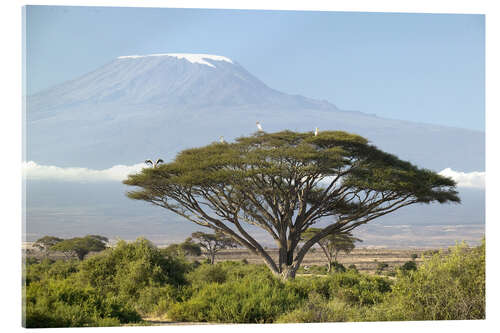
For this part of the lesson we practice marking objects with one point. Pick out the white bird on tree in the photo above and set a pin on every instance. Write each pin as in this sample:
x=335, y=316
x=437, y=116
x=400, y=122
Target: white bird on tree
x=259, y=127
x=316, y=132
x=222, y=139
x=154, y=164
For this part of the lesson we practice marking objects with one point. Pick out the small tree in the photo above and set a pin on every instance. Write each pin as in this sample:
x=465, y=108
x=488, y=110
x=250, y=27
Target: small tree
x=188, y=247
x=284, y=183
x=332, y=244
x=381, y=266
x=45, y=243
x=213, y=243
x=80, y=246
x=409, y=266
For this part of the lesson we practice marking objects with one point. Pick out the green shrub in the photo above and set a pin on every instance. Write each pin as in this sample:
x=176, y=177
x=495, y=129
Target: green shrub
x=225, y=271
x=309, y=285
x=353, y=268
x=114, y=285
x=207, y=273
x=129, y=267
x=450, y=287
x=65, y=303
x=318, y=309
x=46, y=269
x=358, y=289
x=337, y=267
x=156, y=300
x=381, y=266
x=251, y=299
x=409, y=266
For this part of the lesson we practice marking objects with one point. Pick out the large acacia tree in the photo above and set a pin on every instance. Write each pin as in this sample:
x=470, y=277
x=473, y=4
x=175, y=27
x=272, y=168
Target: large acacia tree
x=284, y=183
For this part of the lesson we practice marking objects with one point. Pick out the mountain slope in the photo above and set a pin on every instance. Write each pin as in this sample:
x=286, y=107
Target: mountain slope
x=139, y=107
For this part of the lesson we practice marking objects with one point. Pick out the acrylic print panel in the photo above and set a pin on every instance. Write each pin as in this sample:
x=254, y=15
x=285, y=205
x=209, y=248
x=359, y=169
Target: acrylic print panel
x=252, y=166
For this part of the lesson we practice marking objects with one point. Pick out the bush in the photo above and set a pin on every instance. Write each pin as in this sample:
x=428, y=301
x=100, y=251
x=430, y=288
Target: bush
x=358, y=289
x=244, y=297
x=317, y=309
x=109, y=288
x=137, y=273
x=129, y=267
x=207, y=273
x=353, y=268
x=338, y=267
x=381, y=266
x=64, y=303
x=225, y=271
x=47, y=269
x=409, y=266
x=309, y=285
x=448, y=287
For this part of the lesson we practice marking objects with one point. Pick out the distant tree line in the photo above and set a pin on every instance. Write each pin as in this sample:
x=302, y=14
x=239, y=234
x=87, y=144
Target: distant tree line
x=73, y=247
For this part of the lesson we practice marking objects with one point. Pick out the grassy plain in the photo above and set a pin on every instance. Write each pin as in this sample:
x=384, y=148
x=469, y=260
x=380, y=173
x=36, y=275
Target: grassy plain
x=365, y=259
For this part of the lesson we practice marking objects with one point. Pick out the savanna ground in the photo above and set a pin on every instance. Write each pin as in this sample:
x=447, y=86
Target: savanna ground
x=365, y=259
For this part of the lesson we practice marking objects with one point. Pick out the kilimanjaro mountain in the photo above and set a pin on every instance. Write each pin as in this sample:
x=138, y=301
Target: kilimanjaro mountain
x=139, y=107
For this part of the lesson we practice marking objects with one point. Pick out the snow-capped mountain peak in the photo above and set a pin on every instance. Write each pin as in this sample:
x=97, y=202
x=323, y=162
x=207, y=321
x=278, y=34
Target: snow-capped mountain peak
x=191, y=57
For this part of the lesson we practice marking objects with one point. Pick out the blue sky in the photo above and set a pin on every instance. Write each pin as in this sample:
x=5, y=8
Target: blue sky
x=419, y=67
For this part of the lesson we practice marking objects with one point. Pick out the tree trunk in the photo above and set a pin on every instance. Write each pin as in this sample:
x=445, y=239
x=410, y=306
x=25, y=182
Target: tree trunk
x=287, y=272
x=329, y=266
x=212, y=258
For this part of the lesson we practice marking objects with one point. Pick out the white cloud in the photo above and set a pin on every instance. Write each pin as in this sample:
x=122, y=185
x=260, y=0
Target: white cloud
x=32, y=170
x=465, y=179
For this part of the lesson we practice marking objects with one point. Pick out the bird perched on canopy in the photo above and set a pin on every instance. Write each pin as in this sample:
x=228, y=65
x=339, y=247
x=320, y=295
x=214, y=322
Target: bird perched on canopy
x=154, y=164
x=259, y=127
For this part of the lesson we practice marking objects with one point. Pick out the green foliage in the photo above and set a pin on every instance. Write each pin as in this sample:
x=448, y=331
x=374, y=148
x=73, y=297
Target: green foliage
x=338, y=267
x=318, y=309
x=80, y=246
x=207, y=274
x=224, y=271
x=132, y=279
x=357, y=289
x=251, y=299
x=128, y=268
x=409, y=266
x=188, y=247
x=48, y=269
x=444, y=287
x=381, y=266
x=110, y=288
x=46, y=242
x=65, y=303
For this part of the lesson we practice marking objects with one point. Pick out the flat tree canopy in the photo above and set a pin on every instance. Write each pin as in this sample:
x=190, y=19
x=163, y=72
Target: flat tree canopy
x=213, y=243
x=46, y=242
x=81, y=246
x=284, y=183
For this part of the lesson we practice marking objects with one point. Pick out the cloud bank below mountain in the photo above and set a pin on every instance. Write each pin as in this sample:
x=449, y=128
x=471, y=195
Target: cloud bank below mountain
x=474, y=179
x=34, y=171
